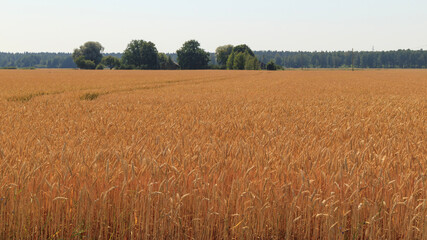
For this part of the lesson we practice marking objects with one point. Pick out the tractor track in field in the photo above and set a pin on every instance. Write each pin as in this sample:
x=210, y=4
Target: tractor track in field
x=146, y=86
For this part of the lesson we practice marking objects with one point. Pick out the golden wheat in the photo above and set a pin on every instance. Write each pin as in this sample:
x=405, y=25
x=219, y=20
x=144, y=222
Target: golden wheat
x=213, y=154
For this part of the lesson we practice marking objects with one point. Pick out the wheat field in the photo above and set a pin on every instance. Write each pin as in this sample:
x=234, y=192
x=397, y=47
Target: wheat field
x=322, y=154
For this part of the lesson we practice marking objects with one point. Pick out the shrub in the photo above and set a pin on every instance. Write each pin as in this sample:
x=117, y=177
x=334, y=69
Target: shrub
x=271, y=66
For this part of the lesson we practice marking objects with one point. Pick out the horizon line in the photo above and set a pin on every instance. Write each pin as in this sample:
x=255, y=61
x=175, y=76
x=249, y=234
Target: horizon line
x=304, y=51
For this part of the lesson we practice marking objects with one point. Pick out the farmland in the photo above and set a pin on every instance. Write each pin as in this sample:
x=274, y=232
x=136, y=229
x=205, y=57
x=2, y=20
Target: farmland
x=321, y=154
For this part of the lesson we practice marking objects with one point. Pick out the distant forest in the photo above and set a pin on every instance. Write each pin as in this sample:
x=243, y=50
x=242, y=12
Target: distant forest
x=287, y=59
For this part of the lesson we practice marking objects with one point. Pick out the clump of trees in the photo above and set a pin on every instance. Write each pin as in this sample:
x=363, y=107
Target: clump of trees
x=240, y=57
x=140, y=54
x=89, y=55
x=191, y=56
x=222, y=53
x=272, y=66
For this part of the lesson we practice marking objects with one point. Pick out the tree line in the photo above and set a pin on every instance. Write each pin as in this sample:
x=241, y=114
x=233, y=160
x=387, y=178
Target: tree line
x=140, y=54
x=36, y=60
x=346, y=59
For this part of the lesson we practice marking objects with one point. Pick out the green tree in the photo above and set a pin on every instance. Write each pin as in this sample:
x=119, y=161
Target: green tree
x=222, y=53
x=230, y=61
x=239, y=61
x=140, y=54
x=111, y=62
x=271, y=66
x=242, y=57
x=89, y=55
x=191, y=56
x=252, y=63
x=242, y=49
x=82, y=63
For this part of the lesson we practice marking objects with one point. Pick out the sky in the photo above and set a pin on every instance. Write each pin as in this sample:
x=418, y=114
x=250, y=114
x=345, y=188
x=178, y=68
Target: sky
x=304, y=25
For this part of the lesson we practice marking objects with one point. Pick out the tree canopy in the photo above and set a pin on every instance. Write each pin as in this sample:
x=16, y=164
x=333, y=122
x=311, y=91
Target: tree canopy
x=140, y=54
x=111, y=62
x=242, y=58
x=242, y=49
x=222, y=53
x=191, y=56
x=89, y=55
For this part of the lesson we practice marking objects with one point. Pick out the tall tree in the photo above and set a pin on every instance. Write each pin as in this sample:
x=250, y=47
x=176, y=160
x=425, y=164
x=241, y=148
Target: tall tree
x=222, y=53
x=89, y=55
x=140, y=54
x=239, y=61
x=191, y=56
x=242, y=57
x=251, y=63
x=230, y=60
x=242, y=49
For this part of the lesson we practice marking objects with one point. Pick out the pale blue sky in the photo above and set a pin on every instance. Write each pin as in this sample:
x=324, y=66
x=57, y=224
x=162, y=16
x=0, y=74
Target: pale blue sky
x=57, y=25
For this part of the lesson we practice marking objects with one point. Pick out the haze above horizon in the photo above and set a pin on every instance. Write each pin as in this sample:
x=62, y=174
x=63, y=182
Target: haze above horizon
x=59, y=26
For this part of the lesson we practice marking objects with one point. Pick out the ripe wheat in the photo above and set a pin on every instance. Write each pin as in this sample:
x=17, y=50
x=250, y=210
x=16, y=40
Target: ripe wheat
x=213, y=154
